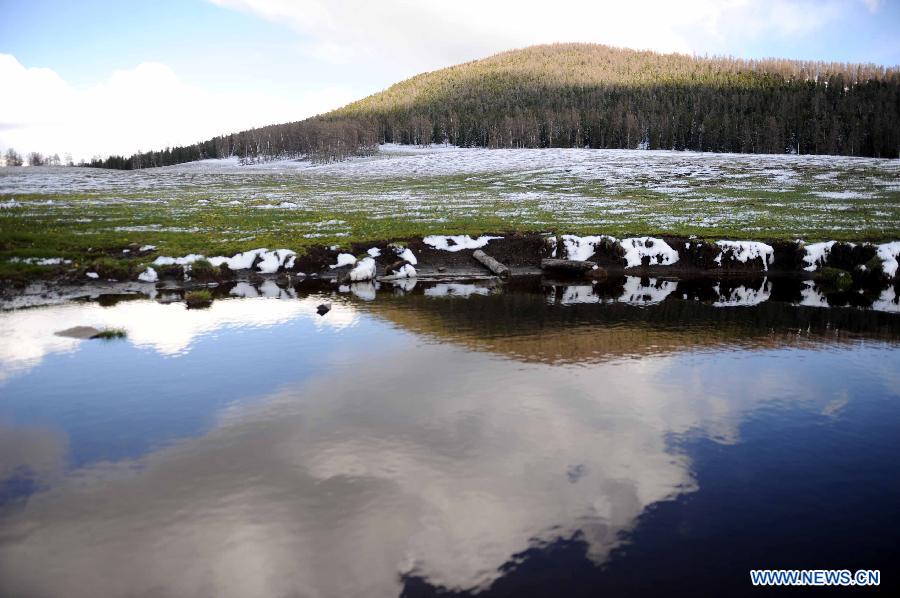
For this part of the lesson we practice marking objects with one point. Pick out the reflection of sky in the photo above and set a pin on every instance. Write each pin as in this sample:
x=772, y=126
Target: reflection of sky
x=176, y=370
x=400, y=457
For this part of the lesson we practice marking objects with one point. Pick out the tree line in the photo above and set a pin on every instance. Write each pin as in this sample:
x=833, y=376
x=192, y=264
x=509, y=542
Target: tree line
x=590, y=95
x=13, y=158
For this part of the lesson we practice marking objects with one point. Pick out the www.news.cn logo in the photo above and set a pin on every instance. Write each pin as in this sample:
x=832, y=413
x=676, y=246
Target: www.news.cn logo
x=815, y=577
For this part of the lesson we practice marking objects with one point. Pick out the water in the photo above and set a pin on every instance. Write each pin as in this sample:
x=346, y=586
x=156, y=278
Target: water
x=447, y=441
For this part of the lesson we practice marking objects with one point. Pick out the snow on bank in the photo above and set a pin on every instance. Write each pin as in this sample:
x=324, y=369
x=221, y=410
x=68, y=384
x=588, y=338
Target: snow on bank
x=364, y=270
x=180, y=261
x=148, y=275
x=405, y=253
x=636, y=248
x=273, y=260
x=817, y=255
x=344, y=259
x=582, y=248
x=889, y=254
x=457, y=242
x=744, y=251
x=407, y=271
x=269, y=261
x=659, y=252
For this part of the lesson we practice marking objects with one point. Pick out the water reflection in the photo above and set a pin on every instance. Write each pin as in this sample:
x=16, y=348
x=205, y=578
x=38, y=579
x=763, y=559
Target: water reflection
x=27, y=335
x=398, y=458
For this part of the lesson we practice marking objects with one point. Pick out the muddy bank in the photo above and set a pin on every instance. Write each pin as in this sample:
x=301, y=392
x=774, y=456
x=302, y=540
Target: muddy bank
x=845, y=266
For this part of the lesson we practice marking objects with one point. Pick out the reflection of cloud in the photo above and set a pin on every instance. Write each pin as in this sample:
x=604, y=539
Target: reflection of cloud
x=26, y=336
x=39, y=450
x=432, y=459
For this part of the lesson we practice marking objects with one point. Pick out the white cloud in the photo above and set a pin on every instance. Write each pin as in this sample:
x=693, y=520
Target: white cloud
x=412, y=36
x=146, y=107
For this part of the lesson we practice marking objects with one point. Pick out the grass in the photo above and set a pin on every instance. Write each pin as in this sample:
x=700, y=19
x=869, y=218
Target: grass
x=109, y=334
x=204, y=271
x=226, y=212
x=198, y=299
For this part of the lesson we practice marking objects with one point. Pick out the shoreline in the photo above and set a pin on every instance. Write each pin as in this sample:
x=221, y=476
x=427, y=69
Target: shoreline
x=447, y=259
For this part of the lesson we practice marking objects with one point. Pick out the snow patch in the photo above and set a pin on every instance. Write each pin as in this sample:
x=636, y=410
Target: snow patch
x=582, y=248
x=344, y=259
x=270, y=261
x=40, y=261
x=744, y=251
x=364, y=270
x=407, y=271
x=147, y=247
x=889, y=253
x=817, y=254
x=273, y=260
x=457, y=242
x=93, y=275
x=148, y=275
x=181, y=261
x=405, y=253
x=374, y=252
x=657, y=250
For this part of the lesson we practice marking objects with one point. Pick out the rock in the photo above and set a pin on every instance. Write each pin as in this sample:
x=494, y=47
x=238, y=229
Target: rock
x=323, y=309
x=82, y=332
x=441, y=269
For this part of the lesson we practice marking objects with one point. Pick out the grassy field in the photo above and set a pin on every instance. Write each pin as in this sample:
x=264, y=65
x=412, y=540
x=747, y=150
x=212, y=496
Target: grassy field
x=221, y=207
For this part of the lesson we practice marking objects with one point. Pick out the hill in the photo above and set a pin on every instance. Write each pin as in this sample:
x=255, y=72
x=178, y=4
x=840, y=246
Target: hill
x=575, y=95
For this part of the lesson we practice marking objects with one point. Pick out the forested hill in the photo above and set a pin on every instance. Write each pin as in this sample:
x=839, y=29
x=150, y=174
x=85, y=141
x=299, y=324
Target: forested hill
x=576, y=95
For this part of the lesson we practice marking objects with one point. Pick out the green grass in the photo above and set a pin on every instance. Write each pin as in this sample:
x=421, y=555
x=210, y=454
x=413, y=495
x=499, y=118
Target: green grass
x=111, y=334
x=198, y=299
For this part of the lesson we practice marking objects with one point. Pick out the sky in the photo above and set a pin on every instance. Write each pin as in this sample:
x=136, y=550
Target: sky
x=104, y=77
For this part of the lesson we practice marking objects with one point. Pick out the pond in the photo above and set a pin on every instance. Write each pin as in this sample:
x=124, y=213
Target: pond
x=448, y=439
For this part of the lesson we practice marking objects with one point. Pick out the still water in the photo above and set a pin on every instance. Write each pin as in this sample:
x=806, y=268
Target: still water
x=447, y=440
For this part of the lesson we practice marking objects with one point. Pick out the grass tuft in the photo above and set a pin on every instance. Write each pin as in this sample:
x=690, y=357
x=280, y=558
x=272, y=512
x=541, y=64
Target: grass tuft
x=111, y=334
x=198, y=299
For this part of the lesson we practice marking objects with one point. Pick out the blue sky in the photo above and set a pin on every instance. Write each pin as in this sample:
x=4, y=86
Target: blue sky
x=189, y=69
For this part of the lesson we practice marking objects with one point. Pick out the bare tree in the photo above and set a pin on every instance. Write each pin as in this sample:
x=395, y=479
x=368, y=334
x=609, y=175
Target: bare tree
x=36, y=159
x=13, y=158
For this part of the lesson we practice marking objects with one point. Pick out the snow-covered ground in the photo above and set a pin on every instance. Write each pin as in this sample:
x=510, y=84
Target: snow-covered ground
x=621, y=192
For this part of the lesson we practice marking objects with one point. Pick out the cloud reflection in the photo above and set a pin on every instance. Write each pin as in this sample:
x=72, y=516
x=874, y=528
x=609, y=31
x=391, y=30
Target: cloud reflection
x=430, y=460
x=27, y=335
